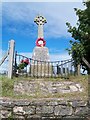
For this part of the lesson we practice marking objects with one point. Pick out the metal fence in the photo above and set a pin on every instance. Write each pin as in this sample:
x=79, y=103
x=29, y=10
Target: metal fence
x=34, y=68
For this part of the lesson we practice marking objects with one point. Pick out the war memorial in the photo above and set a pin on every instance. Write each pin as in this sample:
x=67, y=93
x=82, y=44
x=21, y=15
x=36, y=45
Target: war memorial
x=39, y=93
x=41, y=52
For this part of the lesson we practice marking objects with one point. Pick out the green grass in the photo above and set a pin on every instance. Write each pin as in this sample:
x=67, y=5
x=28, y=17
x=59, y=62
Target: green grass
x=8, y=85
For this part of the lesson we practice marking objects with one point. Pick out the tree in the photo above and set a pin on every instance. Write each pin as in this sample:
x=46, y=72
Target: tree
x=80, y=47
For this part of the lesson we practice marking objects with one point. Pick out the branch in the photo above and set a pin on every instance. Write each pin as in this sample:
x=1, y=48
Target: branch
x=86, y=62
x=3, y=59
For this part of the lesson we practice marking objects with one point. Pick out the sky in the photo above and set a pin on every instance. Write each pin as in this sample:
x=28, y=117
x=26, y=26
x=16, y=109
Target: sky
x=18, y=24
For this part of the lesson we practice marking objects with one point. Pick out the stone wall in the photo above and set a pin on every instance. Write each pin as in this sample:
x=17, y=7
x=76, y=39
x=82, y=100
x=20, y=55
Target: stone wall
x=44, y=109
x=47, y=88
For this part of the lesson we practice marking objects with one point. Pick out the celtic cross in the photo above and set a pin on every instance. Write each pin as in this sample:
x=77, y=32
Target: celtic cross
x=40, y=21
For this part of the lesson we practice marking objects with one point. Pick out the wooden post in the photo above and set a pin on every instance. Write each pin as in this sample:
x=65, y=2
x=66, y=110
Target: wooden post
x=88, y=65
x=11, y=59
x=3, y=59
x=61, y=68
x=78, y=70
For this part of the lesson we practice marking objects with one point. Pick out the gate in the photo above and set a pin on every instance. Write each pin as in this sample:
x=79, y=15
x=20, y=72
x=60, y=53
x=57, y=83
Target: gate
x=25, y=66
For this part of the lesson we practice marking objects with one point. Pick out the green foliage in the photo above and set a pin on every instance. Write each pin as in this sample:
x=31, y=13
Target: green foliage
x=81, y=33
x=7, y=86
x=21, y=66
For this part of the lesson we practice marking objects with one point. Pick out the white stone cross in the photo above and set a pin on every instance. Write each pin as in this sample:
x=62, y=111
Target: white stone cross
x=40, y=21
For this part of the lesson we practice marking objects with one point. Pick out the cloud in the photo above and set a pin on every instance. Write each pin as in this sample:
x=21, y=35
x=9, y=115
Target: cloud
x=2, y=52
x=23, y=14
x=55, y=50
x=42, y=1
x=4, y=66
x=59, y=57
x=26, y=54
x=53, y=57
x=0, y=23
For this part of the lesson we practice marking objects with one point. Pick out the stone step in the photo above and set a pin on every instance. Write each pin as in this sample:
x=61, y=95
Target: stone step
x=45, y=88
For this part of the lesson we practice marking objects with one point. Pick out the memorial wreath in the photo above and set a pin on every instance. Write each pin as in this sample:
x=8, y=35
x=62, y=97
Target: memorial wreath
x=40, y=42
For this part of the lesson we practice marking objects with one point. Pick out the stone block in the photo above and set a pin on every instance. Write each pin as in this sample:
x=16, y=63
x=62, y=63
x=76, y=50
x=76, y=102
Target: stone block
x=52, y=103
x=7, y=104
x=79, y=103
x=18, y=110
x=5, y=113
x=18, y=117
x=34, y=117
x=81, y=111
x=30, y=110
x=73, y=88
x=28, y=88
x=22, y=103
x=38, y=110
x=41, y=54
x=47, y=109
x=63, y=110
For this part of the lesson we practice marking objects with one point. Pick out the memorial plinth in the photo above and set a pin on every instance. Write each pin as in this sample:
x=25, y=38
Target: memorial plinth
x=41, y=54
x=40, y=62
x=41, y=70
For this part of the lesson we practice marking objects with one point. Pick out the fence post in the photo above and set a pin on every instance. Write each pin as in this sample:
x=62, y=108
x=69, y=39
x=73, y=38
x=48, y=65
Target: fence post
x=78, y=69
x=11, y=58
x=15, y=65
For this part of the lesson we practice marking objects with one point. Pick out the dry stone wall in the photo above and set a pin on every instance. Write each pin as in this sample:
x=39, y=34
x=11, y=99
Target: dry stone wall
x=44, y=109
x=41, y=106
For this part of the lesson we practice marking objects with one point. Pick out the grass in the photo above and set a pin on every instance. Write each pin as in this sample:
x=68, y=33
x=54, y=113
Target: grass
x=8, y=85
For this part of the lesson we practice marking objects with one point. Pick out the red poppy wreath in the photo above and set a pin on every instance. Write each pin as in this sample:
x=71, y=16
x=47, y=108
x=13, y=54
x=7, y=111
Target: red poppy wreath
x=40, y=42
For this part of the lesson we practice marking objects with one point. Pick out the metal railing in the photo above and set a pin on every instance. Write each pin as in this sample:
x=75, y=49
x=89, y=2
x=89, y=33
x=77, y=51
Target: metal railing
x=39, y=69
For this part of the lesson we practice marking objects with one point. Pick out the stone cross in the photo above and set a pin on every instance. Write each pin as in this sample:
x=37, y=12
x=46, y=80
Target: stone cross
x=40, y=21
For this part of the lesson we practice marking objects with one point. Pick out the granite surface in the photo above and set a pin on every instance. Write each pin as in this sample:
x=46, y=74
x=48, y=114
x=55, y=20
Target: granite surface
x=41, y=54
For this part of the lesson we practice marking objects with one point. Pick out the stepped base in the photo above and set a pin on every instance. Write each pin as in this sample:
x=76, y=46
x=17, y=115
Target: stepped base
x=41, y=70
x=44, y=88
